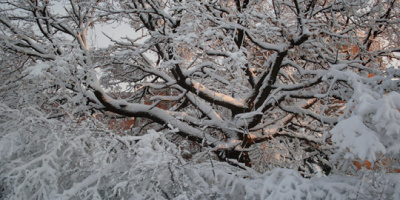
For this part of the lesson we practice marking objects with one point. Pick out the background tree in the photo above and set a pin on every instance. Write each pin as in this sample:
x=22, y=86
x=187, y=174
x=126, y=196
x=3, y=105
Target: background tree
x=258, y=83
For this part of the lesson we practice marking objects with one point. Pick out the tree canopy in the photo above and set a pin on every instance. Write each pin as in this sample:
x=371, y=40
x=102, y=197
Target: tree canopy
x=231, y=88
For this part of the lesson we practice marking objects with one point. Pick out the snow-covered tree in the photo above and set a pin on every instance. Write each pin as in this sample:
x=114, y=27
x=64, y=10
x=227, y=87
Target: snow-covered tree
x=256, y=84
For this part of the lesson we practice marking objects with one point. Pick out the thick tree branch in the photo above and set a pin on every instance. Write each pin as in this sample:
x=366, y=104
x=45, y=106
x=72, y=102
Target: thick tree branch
x=156, y=114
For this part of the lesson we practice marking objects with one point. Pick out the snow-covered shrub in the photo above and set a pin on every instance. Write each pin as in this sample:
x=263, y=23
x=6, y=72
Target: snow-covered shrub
x=48, y=159
x=369, y=129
